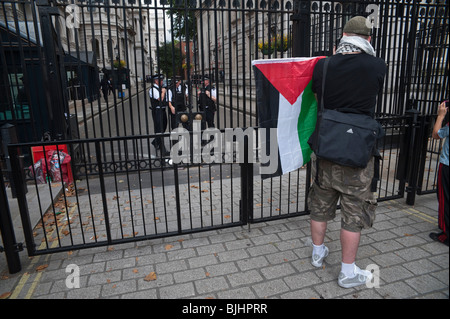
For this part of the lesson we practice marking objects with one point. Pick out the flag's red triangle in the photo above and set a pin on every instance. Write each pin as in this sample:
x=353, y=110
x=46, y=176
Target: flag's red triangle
x=289, y=78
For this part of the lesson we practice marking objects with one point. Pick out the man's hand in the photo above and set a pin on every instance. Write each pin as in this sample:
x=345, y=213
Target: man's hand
x=442, y=109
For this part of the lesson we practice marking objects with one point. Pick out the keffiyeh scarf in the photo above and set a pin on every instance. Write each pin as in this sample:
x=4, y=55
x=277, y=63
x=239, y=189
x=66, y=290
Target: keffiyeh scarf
x=349, y=44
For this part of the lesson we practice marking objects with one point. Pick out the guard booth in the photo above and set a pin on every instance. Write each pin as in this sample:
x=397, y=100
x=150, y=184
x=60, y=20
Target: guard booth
x=82, y=75
x=23, y=100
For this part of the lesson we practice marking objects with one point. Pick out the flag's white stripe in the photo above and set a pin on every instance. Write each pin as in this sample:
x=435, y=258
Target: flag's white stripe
x=287, y=134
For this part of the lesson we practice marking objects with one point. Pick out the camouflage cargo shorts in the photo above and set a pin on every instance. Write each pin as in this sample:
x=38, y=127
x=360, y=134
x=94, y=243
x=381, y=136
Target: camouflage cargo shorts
x=352, y=186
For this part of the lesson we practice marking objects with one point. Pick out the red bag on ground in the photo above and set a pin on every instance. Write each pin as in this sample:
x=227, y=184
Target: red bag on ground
x=39, y=171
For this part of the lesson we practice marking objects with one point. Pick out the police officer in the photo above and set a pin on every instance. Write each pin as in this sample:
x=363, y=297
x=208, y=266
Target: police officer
x=178, y=96
x=207, y=102
x=158, y=100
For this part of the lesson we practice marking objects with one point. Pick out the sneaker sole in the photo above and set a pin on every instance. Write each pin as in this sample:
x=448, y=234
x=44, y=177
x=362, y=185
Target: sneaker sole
x=356, y=284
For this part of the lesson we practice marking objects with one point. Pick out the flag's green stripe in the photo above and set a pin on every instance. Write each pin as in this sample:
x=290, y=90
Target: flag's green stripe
x=307, y=121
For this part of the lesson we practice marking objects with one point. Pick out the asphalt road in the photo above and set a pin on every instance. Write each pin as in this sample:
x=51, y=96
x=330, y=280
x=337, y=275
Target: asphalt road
x=132, y=117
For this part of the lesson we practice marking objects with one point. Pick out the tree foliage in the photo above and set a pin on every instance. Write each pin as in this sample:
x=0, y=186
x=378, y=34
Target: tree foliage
x=170, y=59
x=184, y=24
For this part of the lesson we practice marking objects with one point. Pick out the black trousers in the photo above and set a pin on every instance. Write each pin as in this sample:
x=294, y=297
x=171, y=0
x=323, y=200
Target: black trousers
x=105, y=94
x=209, y=117
x=159, y=115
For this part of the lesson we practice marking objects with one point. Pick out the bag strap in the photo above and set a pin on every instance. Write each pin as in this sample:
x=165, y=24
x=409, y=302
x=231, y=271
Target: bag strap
x=320, y=111
x=325, y=68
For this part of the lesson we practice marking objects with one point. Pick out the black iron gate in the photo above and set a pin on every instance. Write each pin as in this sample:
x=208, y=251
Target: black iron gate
x=116, y=187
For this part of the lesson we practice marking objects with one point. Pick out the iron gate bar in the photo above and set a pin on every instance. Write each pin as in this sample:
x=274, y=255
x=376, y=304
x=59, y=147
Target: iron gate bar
x=102, y=186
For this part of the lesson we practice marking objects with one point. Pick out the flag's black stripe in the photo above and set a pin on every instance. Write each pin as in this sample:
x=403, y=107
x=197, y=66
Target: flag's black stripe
x=267, y=102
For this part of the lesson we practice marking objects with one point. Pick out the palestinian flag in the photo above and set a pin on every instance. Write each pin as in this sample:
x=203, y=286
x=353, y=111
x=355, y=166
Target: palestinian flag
x=285, y=101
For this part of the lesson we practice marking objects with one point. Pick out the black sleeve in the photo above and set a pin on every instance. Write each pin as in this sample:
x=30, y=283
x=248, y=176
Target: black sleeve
x=317, y=77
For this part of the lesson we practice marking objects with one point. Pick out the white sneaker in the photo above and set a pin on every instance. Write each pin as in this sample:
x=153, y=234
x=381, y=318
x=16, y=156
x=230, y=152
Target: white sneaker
x=360, y=278
x=317, y=260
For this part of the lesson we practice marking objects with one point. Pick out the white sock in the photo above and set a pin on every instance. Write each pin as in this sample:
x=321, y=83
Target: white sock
x=318, y=250
x=348, y=269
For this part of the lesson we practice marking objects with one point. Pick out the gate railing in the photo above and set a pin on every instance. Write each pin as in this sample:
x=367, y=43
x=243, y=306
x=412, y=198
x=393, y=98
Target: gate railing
x=128, y=198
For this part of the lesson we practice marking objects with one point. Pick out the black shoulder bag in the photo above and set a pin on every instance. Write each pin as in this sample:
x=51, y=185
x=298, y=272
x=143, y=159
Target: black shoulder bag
x=347, y=139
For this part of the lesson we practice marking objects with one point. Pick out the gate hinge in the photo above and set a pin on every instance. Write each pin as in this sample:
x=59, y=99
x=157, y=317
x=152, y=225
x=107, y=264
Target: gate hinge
x=18, y=247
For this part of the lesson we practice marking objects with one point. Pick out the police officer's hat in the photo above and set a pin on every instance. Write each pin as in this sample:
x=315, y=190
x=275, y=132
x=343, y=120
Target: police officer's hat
x=177, y=78
x=158, y=76
x=206, y=77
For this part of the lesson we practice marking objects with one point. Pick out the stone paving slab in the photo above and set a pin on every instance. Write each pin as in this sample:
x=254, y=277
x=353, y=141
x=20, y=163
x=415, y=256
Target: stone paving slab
x=272, y=261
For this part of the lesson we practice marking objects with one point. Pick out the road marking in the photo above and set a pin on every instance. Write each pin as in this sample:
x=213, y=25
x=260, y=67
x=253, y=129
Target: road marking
x=423, y=216
x=24, y=278
x=20, y=285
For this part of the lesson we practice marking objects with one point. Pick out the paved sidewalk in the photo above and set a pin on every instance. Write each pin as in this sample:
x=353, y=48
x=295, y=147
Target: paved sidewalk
x=271, y=261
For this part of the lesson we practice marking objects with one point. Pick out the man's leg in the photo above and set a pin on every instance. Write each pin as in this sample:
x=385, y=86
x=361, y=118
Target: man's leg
x=318, y=230
x=350, y=244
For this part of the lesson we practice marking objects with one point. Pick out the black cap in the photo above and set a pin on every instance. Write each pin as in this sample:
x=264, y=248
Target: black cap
x=157, y=76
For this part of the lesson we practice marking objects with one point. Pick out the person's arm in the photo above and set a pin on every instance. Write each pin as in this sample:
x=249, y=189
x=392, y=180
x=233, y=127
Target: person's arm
x=442, y=111
x=163, y=94
x=212, y=95
x=169, y=99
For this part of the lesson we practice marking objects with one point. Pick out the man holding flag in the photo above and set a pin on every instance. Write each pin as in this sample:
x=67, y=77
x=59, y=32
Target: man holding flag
x=353, y=81
x=287, y=91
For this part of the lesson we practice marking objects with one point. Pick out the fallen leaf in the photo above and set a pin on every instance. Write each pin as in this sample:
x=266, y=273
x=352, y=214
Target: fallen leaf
x=150, y=277
x=5, y=295
x=227, y=216
x=168, y=246
x=207, y=274
x=135, y=270
x=41, y=267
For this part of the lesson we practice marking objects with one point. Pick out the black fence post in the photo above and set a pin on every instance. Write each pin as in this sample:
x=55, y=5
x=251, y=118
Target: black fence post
x=19, y=181
x=8, y=135
x=246, y=214
x=53, y=81
x=413, y=155
x=10, y=248
x=301, y=24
